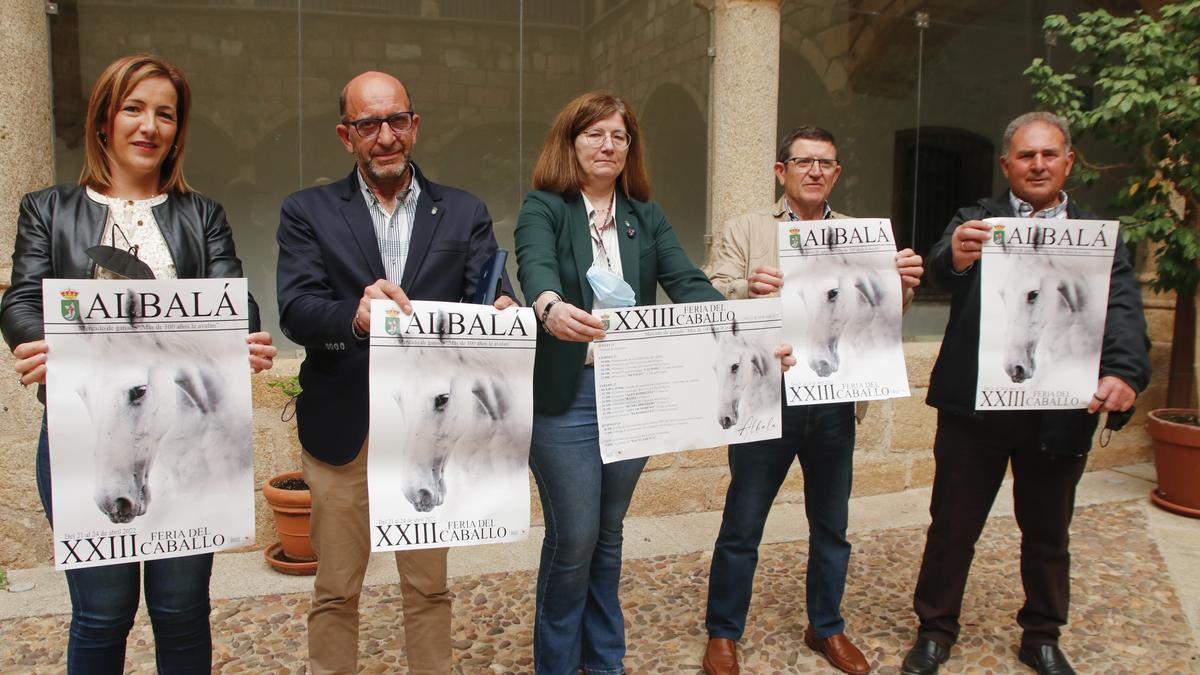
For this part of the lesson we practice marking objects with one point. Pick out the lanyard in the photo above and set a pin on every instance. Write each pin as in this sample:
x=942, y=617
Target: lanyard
x=598, y=240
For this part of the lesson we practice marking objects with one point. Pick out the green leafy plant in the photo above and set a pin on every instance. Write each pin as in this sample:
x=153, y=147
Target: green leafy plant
x=289, y=386
x=1145, y=100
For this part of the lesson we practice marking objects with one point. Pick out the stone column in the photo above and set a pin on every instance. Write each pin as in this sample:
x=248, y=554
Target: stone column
x=26, y=164
x=26, y=131
x=744, y=107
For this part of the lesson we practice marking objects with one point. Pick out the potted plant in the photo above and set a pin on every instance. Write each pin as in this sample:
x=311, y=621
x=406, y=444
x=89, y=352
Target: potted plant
x=1176, y=434
x=291, y=502
x=1145, y=100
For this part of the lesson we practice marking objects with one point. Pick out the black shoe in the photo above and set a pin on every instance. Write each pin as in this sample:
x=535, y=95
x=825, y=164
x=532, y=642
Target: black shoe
x=925, y=657
x=1046, y=659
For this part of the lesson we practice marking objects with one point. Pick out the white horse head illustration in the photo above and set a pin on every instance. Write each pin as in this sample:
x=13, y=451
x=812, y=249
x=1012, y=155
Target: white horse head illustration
x=462, y=413
x=1047, y=313
x=163, y=413
x=842, y=300
x=747, y=376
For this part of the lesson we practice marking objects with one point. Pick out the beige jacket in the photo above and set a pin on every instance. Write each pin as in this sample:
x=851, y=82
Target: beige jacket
x=752, y=240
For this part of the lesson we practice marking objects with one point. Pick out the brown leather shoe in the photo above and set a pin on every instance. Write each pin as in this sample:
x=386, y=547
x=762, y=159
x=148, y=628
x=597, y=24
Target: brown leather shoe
x=839, y=651
x=721, y=657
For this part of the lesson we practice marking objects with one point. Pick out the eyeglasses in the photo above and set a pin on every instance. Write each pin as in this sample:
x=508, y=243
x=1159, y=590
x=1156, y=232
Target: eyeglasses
x=595, y=138
x=369, y=127
x=805, y=163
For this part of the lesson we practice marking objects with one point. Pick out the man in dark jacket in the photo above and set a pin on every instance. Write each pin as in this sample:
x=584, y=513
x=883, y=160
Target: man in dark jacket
x=1047, y=448
x=384, y=231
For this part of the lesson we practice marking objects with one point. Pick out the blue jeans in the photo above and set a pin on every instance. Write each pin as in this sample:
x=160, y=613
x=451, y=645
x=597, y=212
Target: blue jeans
x=104, y=602
x=578, y=622
x=822, y=438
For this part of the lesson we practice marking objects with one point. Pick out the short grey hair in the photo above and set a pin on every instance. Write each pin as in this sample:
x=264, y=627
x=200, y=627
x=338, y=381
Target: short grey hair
x=1030, y=118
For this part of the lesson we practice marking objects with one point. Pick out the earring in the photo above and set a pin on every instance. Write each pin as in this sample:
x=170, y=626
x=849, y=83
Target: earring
x=102, y=137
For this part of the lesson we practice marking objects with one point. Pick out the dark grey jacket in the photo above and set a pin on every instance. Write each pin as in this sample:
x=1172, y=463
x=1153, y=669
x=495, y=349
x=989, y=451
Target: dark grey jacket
x=1124, y=354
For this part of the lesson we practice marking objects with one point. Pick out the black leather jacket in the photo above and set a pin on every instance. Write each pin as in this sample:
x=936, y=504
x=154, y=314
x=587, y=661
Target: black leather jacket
x=55, y=226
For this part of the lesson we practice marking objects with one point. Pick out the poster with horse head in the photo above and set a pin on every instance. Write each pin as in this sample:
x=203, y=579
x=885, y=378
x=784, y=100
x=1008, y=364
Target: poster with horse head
x=148, y=412
x=1043, y=294
x=451, y=419
x=842, y=306
x=687, y=376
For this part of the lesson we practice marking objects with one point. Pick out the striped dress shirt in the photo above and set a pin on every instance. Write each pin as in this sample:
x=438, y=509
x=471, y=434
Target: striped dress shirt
x=393, y=231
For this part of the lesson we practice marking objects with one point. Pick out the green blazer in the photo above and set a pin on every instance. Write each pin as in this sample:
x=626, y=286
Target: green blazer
x=554, y=252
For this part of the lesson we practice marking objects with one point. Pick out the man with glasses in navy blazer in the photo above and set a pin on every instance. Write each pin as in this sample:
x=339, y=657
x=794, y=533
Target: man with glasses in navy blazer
x=384, y=231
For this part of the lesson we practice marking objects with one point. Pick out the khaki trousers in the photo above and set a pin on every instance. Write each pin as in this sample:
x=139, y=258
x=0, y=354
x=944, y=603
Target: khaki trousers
x=341, y=538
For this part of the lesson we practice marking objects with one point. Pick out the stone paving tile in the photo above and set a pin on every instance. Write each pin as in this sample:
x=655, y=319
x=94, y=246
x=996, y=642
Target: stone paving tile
x=1126, y=618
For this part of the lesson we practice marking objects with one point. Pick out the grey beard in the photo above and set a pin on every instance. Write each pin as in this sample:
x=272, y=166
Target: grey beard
x=389, y=174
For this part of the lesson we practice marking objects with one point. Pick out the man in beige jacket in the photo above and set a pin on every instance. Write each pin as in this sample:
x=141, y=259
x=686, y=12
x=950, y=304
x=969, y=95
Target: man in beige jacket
x=746, y=265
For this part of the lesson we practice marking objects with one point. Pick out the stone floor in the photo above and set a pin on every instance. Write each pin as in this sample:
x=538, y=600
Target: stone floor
x=1127, y=616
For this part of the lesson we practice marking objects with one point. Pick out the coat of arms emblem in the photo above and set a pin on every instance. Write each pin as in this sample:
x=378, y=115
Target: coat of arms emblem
x=795, y=240
x=391, y=322
x=70, y=304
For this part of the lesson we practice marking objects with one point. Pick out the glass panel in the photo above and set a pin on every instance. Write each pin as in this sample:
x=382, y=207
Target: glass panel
x=918, y=112
x=654, y=55
x=459, y=61
x=856, y=73
x=487, y=77
x=972, y=86
x=241, y=61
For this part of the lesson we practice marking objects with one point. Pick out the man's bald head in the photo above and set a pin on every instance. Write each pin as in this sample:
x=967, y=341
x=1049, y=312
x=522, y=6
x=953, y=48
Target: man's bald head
x=369, y=82
x=379, y=127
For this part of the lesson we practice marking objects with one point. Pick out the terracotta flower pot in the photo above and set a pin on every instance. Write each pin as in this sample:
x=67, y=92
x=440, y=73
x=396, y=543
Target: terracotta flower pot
x=292, y=509
x=1176, y=460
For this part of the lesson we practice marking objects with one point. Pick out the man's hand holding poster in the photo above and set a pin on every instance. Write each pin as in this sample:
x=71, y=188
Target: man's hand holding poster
x=148, y=406
x=687, y=376
x=842, y=305
x=451, y=418
x=1043, y=302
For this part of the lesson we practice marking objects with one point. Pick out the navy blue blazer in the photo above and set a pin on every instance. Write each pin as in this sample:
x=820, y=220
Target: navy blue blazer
x=327, y=255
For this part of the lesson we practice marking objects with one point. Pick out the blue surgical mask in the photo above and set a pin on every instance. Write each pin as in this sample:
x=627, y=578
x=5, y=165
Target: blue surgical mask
x=609, y=288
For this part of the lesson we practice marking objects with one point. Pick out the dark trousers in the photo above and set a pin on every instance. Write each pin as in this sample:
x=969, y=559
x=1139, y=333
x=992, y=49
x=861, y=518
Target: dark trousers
x=821, y=437
x=971, y=457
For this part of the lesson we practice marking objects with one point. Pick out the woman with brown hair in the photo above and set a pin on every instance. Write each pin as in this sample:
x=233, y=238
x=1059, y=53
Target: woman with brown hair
x=588, y=237
x=131, y=193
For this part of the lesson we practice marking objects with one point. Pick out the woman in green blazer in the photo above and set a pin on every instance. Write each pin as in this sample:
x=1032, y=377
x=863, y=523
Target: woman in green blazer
x=589, y=209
